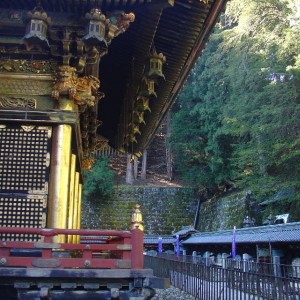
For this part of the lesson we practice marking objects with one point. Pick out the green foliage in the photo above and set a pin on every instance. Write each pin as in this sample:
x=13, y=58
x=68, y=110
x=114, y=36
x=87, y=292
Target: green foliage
x=237, y=118
x=99, y=181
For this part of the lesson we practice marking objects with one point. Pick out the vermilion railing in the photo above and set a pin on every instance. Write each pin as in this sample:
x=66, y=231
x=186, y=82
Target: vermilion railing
x=116, y=250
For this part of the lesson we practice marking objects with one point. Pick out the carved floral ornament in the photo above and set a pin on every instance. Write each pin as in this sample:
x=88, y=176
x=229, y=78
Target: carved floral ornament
x=27, y=66
x=17, y=102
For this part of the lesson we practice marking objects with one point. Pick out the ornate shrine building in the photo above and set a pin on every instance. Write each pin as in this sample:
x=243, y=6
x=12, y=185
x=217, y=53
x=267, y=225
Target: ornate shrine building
x=77, y=76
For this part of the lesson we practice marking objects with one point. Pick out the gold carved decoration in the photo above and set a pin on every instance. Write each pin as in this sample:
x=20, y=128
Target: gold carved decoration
x=40, y=191
x=136, y=218
x=17, y=102
x=134, y=128
x=153, y=73
x=27, y=128
x=27, y=66
x=138, y=117
x=206, y=2
x=86, y=88
x=22, y=84
x=83, y=90
x=147, y=87
x=65, y=82
x=130, y=138
x=100, y=30
x=87, y=164
x=119, y=23
x=143, y=104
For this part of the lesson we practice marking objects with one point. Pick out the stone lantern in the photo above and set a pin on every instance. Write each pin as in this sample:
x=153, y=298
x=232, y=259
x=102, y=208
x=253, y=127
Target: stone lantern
x=36, y=30
x=96, y=28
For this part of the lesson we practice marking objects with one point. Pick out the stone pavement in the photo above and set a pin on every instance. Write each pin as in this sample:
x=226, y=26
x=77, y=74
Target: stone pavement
x=172, y=293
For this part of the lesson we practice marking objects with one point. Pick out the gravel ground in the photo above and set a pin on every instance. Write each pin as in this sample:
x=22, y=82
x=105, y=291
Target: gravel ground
x=172, y=293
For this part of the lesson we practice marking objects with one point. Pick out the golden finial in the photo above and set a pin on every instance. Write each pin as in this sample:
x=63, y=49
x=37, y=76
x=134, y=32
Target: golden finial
x=136, y=218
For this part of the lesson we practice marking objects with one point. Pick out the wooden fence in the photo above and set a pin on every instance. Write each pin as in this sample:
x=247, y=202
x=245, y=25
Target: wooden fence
x=234, y=280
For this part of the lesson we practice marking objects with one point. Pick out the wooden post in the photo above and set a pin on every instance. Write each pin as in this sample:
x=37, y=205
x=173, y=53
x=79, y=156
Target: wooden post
x=135, y=167
x=129, y=175
x=137, y=243
x=79, y=211
x=71, y=196
x=75, y=206
x=144, y=165
x=59, y=177
x=169, y=157
x=137, y=239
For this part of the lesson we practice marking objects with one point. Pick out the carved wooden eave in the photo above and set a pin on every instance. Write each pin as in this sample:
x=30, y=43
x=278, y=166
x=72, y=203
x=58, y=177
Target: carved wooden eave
x=178, y=29
x=182, y=48
x=179, y=33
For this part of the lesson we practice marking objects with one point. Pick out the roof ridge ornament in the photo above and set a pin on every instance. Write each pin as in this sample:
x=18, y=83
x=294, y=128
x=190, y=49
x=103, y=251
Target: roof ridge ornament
x=137, y=218
x=39, y=13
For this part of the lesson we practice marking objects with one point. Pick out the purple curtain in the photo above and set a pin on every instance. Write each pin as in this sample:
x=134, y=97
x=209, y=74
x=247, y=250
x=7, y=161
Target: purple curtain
x=233, y=245
x=160, y=248
x=177, y=246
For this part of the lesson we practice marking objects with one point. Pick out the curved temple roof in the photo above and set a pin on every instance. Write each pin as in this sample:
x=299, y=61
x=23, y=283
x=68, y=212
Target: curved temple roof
x=178, y=29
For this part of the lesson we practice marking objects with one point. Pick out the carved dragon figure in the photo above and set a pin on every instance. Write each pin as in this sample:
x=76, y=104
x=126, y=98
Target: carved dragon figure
x=86, y=88
x=79, y=89
x=65, y=83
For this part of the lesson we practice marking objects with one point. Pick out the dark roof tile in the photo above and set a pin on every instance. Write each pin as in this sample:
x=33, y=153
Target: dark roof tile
x=280, y=233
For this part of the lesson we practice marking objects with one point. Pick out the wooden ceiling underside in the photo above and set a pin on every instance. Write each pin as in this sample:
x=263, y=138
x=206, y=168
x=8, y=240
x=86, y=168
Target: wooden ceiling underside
x=78, y=6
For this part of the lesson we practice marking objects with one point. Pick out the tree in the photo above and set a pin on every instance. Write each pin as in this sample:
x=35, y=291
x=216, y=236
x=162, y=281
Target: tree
x=263, y=106
x=99, y=182
x=237, y=118
x=200, y=154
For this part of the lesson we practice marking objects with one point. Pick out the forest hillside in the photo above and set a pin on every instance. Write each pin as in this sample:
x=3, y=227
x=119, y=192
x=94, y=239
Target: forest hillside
x=235, y=124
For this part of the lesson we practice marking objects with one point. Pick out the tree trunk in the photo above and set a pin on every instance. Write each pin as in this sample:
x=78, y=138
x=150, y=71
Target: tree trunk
x=144, y=165
x=196, y=219
x=129, y=175
x=262, y=160
x=169, y=157
x=135, y=167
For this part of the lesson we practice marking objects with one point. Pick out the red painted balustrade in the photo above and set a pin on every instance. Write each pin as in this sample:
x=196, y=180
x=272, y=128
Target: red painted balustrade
x=113, y=250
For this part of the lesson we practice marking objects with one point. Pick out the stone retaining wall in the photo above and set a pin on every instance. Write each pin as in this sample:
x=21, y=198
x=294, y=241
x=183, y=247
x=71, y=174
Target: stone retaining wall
x=165, y=210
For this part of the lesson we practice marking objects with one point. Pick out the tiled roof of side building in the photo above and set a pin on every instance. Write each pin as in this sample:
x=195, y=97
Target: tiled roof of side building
x=185, y=230
x=289, y=232
x=153, y=239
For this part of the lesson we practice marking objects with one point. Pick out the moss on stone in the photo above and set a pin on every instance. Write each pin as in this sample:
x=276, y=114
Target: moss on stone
x=165, y=210
x=222, y=213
